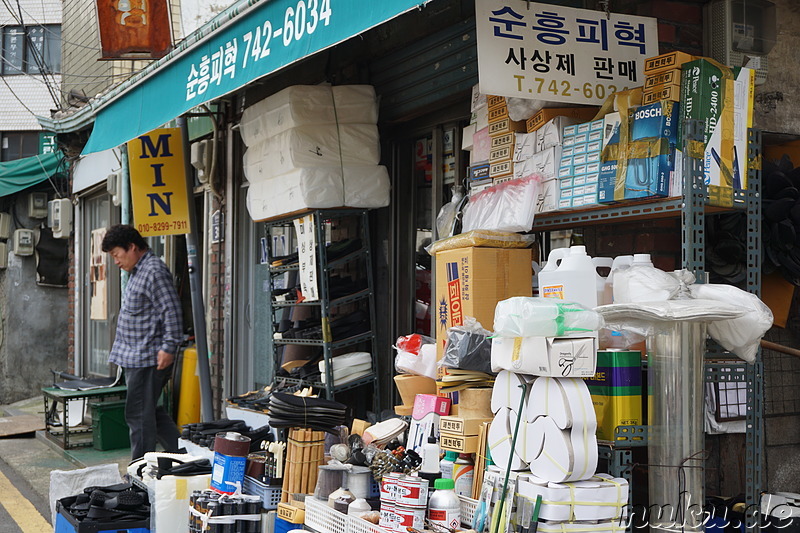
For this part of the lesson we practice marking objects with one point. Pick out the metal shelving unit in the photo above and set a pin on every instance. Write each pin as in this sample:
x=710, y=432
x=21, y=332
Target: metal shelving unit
x=326, y=304
x=693, y=207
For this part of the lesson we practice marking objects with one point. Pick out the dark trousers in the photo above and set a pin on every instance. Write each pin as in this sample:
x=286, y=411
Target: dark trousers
x=147, y=421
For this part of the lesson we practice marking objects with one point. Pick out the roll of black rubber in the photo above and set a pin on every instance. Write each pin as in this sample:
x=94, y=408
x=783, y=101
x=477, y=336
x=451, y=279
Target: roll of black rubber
x=230, y=459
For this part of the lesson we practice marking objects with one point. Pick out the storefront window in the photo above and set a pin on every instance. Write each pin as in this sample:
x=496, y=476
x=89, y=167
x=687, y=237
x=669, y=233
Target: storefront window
x=100, y=298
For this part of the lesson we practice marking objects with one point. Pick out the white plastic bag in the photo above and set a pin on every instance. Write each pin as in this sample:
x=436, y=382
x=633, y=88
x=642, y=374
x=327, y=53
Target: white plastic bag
x=64, y=483
x=507, y=206
x=739, y=335
x=643, y=283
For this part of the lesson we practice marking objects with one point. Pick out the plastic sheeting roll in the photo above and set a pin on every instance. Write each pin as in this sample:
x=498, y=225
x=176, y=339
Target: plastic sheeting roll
x=301, y=105
x=313, y=146
x=365, y=187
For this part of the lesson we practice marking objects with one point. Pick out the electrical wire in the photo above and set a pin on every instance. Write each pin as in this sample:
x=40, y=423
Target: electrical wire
x=17, y=97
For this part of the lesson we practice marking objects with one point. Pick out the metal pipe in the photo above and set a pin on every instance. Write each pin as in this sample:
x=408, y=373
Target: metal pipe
x=195, y=286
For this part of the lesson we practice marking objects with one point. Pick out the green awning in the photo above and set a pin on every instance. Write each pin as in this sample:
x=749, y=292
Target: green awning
x=23, y=173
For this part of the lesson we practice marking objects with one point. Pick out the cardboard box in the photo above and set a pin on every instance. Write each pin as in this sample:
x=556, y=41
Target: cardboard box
x=503, y=140
x=663, y=79
x=480, y=117
x=560, y=357
x=524, y=146
x=478, y=171
x=467, y=137
x=506, y=125
x=501, y=169
x=293, y=515
x=543, y=163
x=661, y=92
x=454, y=425
x=474, y=402
x=616, y=390
x=502, y=153
x=653, y=132
x=668, y=61
x=498, y=113
x=547, y=197
x=470, y=282
x=458, y=443
x=495, y=101
x=481, y=146
x=720, y=98
x=581, y=114
x=551, y=133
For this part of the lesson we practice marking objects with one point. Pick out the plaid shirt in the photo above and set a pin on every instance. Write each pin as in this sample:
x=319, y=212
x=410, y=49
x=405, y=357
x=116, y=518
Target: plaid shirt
x=150, y=316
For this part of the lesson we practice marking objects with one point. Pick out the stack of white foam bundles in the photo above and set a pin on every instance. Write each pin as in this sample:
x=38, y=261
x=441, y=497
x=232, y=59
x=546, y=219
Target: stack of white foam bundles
x=313, y=147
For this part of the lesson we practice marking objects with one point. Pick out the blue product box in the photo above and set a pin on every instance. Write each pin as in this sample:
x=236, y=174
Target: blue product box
x=579, y=180
x=579, y=148
x=654, y=129
x=606, y=181
x=579, y=159
x=582, y=138
x=594, y=147
x=564, y=203
x=596, y=125
x=565, y=172
x=585, y=127
x=566, y=161
x=566, y=183
x=595, y=135
x=593, y=178
x=579, y=170
x=567, y=193
x=567, y=151
x=570, y=130
x=478, y=172
x=593, y=157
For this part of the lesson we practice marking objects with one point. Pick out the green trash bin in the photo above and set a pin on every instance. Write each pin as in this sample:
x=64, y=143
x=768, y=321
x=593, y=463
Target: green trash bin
x=109, y=429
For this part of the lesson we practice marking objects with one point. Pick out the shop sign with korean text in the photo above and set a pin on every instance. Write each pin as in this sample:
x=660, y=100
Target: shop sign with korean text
x=560, y=54
x=158, y=183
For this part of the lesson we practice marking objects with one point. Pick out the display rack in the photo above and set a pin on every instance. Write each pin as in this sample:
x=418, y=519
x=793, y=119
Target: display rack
x=325, y=303
x=693, y=207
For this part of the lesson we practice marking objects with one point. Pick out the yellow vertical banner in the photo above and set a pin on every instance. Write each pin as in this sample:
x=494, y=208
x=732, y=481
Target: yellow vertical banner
x=158, y=183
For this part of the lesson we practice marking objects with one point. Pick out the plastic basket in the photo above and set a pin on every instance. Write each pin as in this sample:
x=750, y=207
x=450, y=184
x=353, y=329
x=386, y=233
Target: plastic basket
x=324, y=519
x=356, y=524
x=468, y=507
x=270, y=495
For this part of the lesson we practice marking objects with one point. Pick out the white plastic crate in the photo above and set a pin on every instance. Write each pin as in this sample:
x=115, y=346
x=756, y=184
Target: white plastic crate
x=468, y=507
x=324, y=519
x=359, y=525
x=270, y=495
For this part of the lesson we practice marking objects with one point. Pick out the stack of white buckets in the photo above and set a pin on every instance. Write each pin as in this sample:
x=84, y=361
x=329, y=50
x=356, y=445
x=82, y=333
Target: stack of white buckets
x=571, y=274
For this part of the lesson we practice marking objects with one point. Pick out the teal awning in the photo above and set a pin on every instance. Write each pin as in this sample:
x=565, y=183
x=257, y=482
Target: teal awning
x=23, y=173
x=265, y=38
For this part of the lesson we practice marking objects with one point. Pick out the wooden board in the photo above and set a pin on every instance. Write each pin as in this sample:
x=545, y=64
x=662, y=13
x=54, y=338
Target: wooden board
x=18, y=425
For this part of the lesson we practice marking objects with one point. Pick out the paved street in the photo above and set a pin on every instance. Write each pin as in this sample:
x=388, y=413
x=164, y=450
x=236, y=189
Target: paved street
x=21, y=507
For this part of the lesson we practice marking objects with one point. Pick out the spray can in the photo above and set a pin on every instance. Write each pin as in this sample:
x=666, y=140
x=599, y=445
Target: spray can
x=464, y=474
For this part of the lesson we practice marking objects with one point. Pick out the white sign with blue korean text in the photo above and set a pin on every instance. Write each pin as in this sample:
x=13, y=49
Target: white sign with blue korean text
x=560, y=54
x=307, y=255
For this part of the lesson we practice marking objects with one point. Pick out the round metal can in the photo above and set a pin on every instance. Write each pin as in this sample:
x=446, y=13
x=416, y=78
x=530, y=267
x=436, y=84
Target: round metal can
x=412, y=492
x=389, y=487
x=406, y=517
x=388, y=517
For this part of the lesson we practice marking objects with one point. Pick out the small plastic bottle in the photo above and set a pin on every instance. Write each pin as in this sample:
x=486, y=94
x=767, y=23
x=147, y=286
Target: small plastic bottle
x=446, y=464
x=343, y=497
x=358, y=507
x=464, y=474
x=430, y=462
x=444, y=508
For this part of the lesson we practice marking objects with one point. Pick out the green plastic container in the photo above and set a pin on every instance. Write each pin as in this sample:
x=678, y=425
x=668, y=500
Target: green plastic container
x=109, y=429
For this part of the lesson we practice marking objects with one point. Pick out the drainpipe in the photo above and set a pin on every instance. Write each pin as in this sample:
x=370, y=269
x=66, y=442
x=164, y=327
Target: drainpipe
x=196, y=287
x=125, y=201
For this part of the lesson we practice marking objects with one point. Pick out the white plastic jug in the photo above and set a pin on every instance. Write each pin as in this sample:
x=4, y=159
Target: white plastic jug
x=620, y=262
x=602, y=262
x=641, y=259
x=574, y=279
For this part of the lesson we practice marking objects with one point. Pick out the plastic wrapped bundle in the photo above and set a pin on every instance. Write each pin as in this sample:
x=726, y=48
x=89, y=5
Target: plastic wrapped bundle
x=313, y=146
x=508, y=206
x=523, y=316
x=364, y=187
x=302, y=105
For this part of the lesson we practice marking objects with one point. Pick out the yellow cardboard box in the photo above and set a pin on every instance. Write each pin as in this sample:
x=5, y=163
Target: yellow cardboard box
x=458, y=443
x=470, y=282
x=548, y=113
x=666, y=61
x=454, y=425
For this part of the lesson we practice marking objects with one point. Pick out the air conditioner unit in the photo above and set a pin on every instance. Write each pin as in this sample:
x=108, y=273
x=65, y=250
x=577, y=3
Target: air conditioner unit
x=201, y=156
x=5, y=225
x=24, y=241
x=37, y=205
x=114, y=186
x=59, y=217
x=740, y=33
x=3, y=255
